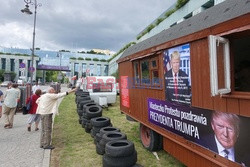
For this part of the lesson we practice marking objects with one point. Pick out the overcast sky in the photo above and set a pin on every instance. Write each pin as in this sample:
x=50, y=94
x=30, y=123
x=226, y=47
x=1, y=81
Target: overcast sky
x=78, y=25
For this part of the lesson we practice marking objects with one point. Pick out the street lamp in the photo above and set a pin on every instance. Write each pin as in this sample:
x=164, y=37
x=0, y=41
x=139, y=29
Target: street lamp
x=26, y=10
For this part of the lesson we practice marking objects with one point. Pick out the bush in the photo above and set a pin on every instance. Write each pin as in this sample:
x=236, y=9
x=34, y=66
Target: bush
x=80, y=58
x=181, y=3
x=103, y=60
x=95, y=59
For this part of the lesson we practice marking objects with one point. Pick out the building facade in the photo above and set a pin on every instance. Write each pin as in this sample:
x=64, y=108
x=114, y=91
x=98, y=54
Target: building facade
x=83, y=68
x=18, y=64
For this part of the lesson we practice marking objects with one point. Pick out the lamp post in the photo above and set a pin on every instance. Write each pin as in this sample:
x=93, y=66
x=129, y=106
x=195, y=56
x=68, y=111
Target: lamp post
x=26, y=10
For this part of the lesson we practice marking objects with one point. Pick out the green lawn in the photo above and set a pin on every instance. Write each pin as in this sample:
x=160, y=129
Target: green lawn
x=75, y=147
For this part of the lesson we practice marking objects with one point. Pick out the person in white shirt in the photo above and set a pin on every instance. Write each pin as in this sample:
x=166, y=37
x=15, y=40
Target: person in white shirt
x=11, y=98
x=35, y=87
x=47, y=106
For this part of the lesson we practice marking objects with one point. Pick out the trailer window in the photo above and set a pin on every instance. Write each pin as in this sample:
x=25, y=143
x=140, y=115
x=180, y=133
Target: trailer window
x=219, y=65
x=136, y=73
x=102, y=87
x=241, y=56
x=145, y=79
x=154, y=71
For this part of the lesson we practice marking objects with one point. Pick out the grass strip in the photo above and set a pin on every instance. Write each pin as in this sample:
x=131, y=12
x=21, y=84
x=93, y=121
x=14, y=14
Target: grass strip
x=75, y=148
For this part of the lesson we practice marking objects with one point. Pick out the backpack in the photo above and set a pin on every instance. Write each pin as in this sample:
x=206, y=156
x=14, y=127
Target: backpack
x=28, y=105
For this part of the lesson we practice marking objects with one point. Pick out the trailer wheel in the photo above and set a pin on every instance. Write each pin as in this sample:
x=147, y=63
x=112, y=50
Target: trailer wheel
x=151, y=140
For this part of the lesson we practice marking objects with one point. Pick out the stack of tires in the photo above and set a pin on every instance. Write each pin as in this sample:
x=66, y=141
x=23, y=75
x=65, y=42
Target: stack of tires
x=81, y=99
x=80, y=110
x=106, y=137
x=119, y=153
x=83, y=118
x=98, y=123
x=102, y=131
x=92, y=111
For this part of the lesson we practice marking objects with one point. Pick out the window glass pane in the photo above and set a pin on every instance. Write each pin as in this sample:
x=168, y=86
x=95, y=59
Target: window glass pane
x=220, y=65
x=241, y=50
x=76, y=69
x=92, y=70
x=84, y=68
x=136, y=72
x=106, y=68
x=153, y=63
x=155, y=77
x=99, y=70
x=12, y=64
x=145, y=72
x=3, y=60
x=102, y=87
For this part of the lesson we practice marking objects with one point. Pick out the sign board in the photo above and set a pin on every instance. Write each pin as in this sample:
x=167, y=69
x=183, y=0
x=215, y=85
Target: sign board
x=32, y=69
x=21, y=65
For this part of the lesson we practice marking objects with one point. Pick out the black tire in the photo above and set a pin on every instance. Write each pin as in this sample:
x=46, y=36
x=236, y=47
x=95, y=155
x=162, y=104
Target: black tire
x=111, y=136
x=119, y=148
x=98, y=137
x=84, y=102
x=92, y=133
x=80, y=120
x=87, y=105
x=84, y=121
x=88, y=127
x=87, y=130
x=84, y=98
x=93, y=111
x=99, y=149
x=108, y=129
x=127, y=161
x=97, y=129
x=100, y=122
x=151, y=140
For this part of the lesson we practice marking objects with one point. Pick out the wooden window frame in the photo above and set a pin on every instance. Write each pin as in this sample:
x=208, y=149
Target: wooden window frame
x=134, y=70
x=151, y=70
x=145, y=60
x=213, y=42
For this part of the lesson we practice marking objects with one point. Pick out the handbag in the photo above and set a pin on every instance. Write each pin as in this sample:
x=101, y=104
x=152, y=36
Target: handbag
x=25, y=111
x=28, y=106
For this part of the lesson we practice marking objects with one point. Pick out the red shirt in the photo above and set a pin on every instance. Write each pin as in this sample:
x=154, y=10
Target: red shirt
x=33, y=104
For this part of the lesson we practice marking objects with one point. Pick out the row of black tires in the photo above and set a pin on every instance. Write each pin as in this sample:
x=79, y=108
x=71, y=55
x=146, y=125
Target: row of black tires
x=117, y=151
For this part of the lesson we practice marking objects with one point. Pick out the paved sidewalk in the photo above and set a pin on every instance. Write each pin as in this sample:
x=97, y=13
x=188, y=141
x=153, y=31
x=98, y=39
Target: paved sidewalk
x=20, y=148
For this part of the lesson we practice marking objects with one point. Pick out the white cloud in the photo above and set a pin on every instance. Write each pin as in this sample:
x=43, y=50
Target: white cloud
x=74, y=25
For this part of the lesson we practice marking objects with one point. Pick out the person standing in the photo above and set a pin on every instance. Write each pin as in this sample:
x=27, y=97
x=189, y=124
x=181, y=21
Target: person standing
x=35, y=87
x=11, y=98
x=1, y=96
x=47, y=106
x=33, y=116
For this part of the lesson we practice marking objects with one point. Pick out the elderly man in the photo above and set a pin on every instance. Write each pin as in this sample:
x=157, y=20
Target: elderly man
x=47, y=106
x=11, y=98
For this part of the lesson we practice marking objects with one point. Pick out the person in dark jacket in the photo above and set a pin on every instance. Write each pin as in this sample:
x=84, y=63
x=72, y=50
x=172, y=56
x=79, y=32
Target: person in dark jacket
x=33, y=116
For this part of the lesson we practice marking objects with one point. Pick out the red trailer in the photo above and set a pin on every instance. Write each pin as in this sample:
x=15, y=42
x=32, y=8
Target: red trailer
x=189, y=87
